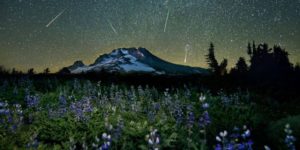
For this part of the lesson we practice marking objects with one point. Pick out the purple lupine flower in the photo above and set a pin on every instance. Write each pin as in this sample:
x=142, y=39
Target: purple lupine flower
x=87, y=105
x=12, y=118
x=235, y=140
x=250, y=143
x=156, y=106
x=235, y=135
x=81, y=108
x=218, y=147
x=241, y=147
x=204, y=119
x=246, y=134
x=104, y=146
x=62, y=100
x=4, y=111
x=229, y=146
x=77, y=111
x=190, y=119
x=205, y=105
x=14, y=128
x=107, y=141
x=178, y=114
x=5, y=114
x=289, y=138
x=3, y=104
x=32, y=101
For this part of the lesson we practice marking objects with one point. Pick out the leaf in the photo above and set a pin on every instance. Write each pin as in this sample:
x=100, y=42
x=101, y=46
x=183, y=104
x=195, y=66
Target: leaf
x=171, y=139
x=143, y=147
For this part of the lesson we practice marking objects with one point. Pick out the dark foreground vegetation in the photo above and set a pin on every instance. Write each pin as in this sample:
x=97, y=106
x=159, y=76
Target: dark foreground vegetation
x=253, y=106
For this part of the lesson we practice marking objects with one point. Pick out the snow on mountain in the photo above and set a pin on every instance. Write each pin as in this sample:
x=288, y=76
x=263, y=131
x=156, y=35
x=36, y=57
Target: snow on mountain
x=131, y=60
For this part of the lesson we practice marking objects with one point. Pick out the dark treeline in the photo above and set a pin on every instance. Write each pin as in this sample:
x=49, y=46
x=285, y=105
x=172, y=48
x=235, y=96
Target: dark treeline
x=267, y=71
x=266, y=64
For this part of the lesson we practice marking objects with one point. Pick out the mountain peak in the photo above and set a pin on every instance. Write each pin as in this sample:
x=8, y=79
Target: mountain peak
x=137, y=52
x=76, y=64
x=129, y=60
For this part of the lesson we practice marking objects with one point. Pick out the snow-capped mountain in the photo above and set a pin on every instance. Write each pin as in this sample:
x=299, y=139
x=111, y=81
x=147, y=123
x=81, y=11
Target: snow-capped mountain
x=132, y=60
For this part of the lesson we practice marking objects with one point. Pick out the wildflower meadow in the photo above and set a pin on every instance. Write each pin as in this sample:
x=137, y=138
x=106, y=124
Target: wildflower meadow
x=82, y=114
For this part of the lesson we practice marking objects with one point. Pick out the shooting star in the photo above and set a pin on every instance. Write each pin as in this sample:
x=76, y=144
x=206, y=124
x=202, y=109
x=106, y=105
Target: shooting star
x=55, y=18
x=185, y=58
x=112, y=27
x=186, y=49
x=167, y=18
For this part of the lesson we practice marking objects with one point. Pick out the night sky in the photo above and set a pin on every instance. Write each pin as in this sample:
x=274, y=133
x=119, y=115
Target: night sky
x=55, y=33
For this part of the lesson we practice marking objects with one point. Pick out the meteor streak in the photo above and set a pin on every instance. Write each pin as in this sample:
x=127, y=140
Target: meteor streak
x=55, y=18
x=185, y=57
x=112, y=27
x=186, y=49
x=167, y=18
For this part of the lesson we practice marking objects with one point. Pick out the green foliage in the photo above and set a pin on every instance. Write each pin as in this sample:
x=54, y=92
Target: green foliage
x=277, y=134
x=135, y=108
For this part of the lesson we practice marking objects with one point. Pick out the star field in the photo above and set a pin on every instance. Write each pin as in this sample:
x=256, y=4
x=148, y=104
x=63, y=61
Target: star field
x=55, y=33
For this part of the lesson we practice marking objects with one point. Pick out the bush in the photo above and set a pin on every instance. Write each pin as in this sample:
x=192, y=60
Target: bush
x=276, y=132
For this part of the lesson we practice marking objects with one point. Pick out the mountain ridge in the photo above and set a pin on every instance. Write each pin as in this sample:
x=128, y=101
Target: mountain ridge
x=133, y=60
